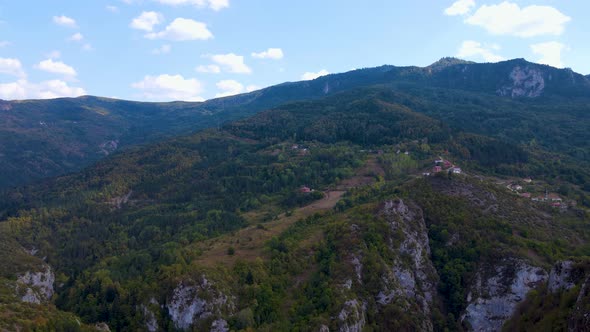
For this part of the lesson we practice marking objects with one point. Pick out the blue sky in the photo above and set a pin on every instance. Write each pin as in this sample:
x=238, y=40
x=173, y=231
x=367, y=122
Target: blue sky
x=160, y=50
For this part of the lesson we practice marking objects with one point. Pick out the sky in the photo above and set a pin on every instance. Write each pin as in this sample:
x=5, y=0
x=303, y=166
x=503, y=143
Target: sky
x=193, y=50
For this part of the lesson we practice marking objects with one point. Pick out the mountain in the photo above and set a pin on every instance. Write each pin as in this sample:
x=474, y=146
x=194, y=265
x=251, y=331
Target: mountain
x=317, y=214
x=45, y=138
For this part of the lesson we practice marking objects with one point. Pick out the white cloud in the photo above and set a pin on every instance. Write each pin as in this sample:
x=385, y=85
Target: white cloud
x=271, y=53
x=460, y=7
x=169, y=87
x=550, y=53
x=4, y=43
x=182, y=29
x=509, y=19
x=87, y=47
x=77, y=37
x=22, y=89
x=112, y=9
x=147, y=21
x=11, y=67
x=213, y=4
x=56, y=67
x=65, y=21
x=229, y=88
x=53, y=54
x=232, y=63
x=164, y=49
x=213, y=69
x=312, y=76
x=251, y=88
x=473, y=49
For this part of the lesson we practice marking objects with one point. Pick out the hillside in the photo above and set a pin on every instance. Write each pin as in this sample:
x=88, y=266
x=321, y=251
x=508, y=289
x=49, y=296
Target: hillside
x=311, y=215
x=45, y=138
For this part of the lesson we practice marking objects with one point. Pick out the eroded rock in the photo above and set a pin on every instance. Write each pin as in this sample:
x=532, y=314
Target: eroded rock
x=526, y=82
x=352, y=316
x=497, y=292
x=36, y=286
x=193, y=301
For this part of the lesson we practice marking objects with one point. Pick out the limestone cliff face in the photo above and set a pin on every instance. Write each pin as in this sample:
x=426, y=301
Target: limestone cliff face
x=412, y=279
x=36, y=287
x=564, y=276
x=527, y=81
x=193, y=301
x=497, y=290
x=352, y=317
x=560, y=277
x=407, y=281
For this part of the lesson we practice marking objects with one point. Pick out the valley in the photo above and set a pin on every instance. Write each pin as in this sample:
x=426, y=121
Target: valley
x=394, y=202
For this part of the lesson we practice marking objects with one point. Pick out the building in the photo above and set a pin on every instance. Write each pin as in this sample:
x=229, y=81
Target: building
x=456, y=170
x=527, y=180
x=436, y=169
x=447, y=164
x=525, y=195
x=305, y=190
x=554, y=198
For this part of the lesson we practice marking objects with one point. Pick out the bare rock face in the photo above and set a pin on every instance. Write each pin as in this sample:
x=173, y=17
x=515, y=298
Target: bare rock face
x=37, y=286
x=416, y=280
x=579, y=319
x=526, y=82
x=108, y=147
x=102, y=327
x=560, y=277
x=497, y=292
x=193, y=301
x=151, y=323
x=219, y=325
x=352, y=317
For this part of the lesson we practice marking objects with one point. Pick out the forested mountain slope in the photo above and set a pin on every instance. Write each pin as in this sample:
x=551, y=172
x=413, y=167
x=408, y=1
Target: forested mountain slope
x=316, y=215
x=44, y=138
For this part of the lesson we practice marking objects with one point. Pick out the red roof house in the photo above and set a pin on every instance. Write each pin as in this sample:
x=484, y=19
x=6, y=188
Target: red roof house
x=305, y=189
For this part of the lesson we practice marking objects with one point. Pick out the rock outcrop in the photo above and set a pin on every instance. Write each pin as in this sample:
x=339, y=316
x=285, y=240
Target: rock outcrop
x=497, y=291
x=352, y=317
x=527, y=81
x=412, y=279
x=194, y=301
x=36, y=287
x=560, y=277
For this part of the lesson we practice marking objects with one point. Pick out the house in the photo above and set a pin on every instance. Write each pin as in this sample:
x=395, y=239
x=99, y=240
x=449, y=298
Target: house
x=539, y=199
x=437, y=169
x=426, y=174
x=554, y=198
x=406, y=153
x=556, y=204
x=305, y=190
x=527, y=180
x=525, y=195
x=455, y=170
x=295, y=147
x=438, y=161
x=447, y=164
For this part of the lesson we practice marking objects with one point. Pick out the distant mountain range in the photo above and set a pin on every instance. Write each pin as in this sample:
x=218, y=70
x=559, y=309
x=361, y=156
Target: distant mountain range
x=451, y=197
x=44, y=138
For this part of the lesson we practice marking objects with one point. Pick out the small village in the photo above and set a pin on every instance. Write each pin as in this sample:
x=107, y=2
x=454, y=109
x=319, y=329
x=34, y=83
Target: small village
x=524, y=187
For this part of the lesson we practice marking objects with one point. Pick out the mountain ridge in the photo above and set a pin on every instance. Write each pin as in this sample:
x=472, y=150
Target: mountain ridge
x=76, y=132
x=333, y=213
